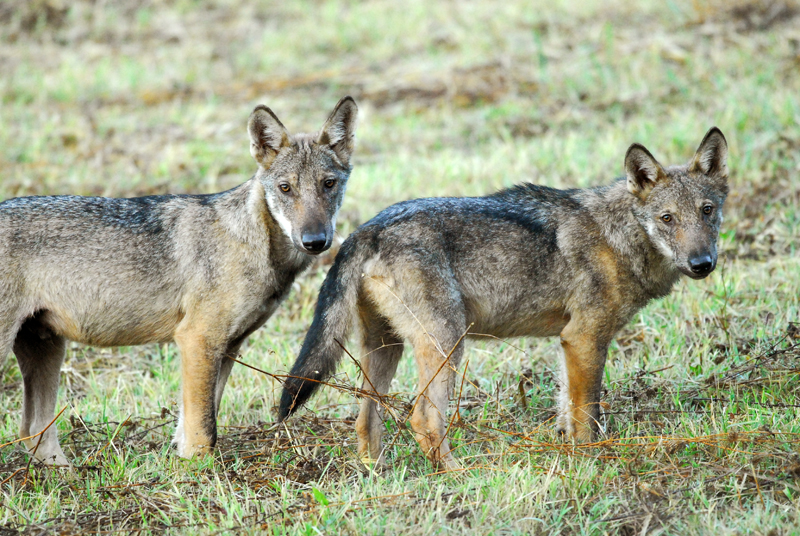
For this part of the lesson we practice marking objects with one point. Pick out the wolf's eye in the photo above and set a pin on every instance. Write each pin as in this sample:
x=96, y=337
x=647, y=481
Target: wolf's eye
x=707, y=209
x=284, y=187
x=666, y=218
x=329, y=183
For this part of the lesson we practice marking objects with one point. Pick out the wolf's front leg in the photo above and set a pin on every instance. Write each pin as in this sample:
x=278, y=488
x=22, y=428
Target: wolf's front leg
x=200, y=368
x=585, y=351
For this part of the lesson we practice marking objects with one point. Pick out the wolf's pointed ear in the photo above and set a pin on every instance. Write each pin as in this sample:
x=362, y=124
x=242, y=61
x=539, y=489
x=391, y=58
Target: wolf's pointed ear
x=267, y=135
x=340, y=129
x=711, y=157
x=642, y=170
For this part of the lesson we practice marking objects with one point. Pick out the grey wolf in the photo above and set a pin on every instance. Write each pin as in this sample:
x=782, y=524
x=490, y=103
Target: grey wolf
x=527, y=261
x=204, y=271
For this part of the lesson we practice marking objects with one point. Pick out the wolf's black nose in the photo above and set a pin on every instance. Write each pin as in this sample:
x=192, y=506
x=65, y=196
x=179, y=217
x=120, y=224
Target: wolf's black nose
x=701, y=265
x=314, y=243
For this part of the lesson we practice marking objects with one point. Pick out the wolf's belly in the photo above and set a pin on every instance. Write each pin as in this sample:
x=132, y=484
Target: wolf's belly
x=113, y=326
x=520, y=323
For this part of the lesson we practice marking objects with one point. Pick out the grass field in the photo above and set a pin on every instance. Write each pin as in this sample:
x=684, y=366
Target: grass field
x=136, y=97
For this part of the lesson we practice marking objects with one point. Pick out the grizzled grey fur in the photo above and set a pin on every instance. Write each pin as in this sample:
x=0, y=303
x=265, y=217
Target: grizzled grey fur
x=204, y=271
x=528, y=261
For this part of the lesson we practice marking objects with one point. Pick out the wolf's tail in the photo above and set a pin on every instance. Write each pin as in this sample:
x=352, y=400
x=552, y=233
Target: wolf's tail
x=333, y=319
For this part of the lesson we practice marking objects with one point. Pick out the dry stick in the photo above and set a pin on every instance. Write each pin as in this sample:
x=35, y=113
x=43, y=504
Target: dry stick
x=258, y=369
x=31, y=457
x=465, y=469
x=776, y=481
x=34, y=435
x=709, y=440
x=599, y=427
x=282, y=377
x=360, y=369
x=13, y=475
x=758, y=487
x=659, y=370
x=382, y=346
x=39, y=442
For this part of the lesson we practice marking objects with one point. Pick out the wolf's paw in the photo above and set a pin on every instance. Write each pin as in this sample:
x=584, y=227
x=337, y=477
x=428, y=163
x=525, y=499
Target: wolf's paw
x=448, y=463
x=191, y=444
x=190, y=451
x=369, y=461
x=53, y=457
x=372, y=465
x=579, y=434
x=564, y=426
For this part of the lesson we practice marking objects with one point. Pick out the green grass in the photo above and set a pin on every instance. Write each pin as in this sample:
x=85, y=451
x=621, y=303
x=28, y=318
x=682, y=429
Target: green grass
x=703, y=428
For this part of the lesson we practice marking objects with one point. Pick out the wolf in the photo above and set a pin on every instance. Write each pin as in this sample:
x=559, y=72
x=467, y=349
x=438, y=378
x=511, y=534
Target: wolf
x=204, y=271
x=527, y=261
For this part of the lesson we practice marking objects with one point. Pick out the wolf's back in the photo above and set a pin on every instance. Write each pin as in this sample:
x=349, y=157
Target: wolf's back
x=333, y=318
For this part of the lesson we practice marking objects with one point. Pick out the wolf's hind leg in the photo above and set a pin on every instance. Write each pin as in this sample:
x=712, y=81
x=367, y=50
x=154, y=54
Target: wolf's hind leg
x=381, y=352
x=436, y=380
x=424, y=306
x=40, y=353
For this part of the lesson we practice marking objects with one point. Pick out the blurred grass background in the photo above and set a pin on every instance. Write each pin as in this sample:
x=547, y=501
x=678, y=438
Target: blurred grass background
x=139, y=97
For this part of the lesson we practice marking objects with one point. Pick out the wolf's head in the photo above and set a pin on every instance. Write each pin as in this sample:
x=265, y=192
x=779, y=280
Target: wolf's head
x=305, y=175
x=680, y=207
